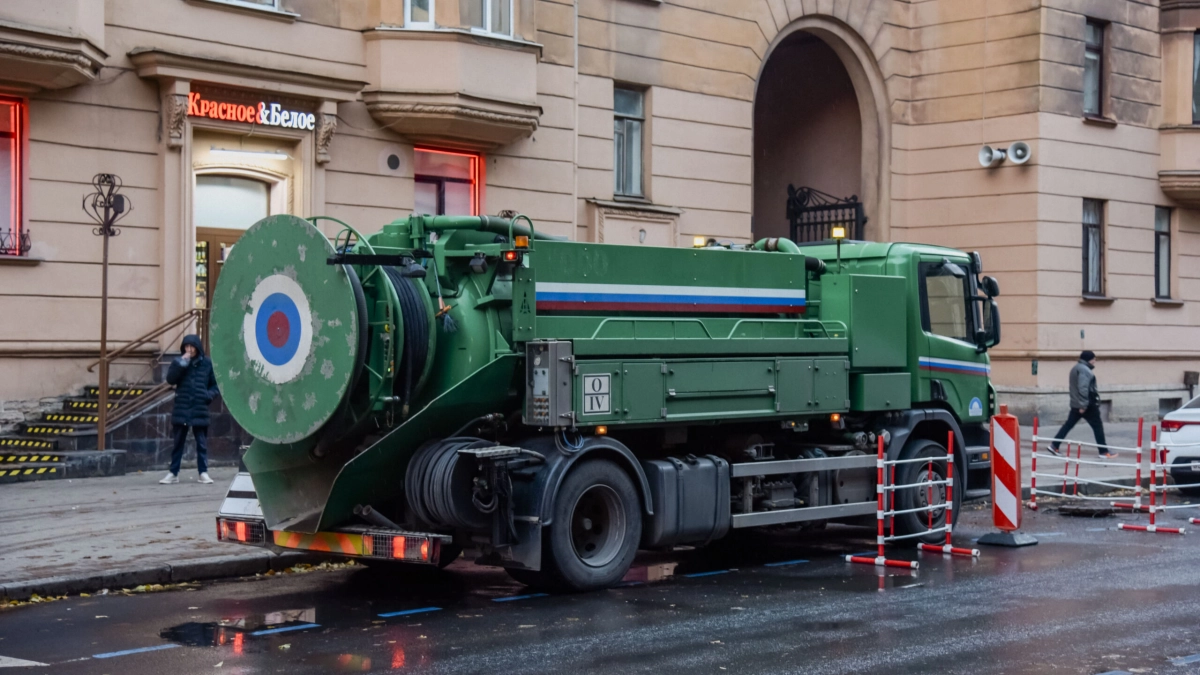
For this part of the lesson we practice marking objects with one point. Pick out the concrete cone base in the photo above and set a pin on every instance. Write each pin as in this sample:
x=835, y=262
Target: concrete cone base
x=1007, y=539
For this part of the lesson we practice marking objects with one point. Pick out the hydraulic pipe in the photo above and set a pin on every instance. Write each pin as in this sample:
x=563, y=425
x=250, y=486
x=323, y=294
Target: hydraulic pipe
x=788, y=246
x=491, y=224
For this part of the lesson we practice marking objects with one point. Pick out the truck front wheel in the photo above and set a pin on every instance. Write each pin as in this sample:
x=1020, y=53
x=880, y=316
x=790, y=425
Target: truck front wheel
x=920, y=497
x=596, y=528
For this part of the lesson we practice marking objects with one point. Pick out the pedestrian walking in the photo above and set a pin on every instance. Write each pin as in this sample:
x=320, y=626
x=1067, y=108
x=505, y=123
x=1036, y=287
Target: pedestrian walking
x=1085, y=404
x=195, y=388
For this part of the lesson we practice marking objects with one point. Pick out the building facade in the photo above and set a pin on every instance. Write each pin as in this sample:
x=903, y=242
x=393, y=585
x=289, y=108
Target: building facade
x=631, y=121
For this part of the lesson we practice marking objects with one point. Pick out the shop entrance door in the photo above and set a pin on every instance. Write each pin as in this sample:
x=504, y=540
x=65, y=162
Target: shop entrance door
x=225, y=207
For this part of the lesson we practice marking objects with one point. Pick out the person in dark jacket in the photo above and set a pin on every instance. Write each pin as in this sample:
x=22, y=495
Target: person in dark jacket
x=195, y=388
x=1085, y=403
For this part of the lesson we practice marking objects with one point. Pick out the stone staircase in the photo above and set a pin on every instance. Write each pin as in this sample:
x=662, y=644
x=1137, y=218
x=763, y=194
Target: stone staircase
x=63, y=443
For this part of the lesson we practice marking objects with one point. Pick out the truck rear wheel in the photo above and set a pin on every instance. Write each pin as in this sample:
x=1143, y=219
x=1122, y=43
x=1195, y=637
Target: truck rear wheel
x=596, y=528
x=919, y=497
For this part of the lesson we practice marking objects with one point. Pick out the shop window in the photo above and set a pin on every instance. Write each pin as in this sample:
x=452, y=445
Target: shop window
x=447, y=183
x=1162, y=252
x=13, y=241
x=418, y=13
x=224, y=208
x=1093, y=247
x=1093, y=69
x=491, y=16
x=628, y=118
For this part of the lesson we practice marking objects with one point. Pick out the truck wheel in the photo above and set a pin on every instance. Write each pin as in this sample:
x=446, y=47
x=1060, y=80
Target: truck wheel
x=918, y=497
x=596, y=529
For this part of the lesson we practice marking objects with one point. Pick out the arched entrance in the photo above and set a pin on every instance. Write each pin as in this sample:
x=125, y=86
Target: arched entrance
x=820, y=121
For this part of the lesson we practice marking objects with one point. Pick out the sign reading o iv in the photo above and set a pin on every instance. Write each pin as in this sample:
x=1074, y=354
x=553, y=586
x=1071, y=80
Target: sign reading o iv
x=278, y=330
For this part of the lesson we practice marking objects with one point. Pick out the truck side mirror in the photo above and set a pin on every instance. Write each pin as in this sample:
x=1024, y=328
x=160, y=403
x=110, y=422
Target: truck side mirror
x=990, y=286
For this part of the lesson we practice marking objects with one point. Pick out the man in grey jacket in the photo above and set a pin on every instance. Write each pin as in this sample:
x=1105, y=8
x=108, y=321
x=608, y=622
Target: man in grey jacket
x=1085, y=403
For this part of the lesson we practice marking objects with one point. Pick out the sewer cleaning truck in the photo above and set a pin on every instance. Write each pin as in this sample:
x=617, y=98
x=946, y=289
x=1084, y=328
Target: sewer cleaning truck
x=552, y=406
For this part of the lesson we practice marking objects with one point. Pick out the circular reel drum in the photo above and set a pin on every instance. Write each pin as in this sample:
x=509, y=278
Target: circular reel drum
x=284, y=330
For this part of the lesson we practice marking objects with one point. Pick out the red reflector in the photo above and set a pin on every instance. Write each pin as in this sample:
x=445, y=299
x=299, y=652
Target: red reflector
x=241, y=530
x=425, y=549
x=398, y=547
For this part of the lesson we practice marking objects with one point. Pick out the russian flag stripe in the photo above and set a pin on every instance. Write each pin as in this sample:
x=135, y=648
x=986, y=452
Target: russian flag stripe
x=951, y=366
x=610, y=297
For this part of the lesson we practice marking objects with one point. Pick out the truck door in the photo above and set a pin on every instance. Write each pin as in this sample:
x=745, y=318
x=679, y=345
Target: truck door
x=951, y=369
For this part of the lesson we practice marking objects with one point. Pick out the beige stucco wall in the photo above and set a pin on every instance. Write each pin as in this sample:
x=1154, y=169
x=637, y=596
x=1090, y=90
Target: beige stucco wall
x=933, y=80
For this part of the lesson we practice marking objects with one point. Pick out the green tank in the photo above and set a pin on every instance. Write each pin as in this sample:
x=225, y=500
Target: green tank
x=471, y=382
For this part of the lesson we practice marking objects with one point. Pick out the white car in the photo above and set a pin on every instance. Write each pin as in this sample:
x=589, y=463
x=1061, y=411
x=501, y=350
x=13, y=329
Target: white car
x=1181, y=436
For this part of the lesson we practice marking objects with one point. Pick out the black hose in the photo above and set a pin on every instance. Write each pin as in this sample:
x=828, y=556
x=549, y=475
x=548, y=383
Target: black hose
x=414, y=318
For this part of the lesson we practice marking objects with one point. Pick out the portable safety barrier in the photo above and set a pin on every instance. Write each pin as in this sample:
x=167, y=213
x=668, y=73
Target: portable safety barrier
x=1156, y=487
x=885, y=491
x=1074, y=481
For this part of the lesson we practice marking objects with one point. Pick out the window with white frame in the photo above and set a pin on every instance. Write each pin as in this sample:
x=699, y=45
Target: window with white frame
x=628, y=117
x=418, y=13
x=1162, y=252
x=490, y=16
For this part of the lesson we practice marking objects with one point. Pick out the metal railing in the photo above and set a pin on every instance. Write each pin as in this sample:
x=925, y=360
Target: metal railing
x=14, y=243
x=812, y=214
x=199, y=317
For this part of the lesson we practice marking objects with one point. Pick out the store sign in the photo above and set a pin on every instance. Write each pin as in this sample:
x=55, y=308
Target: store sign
x=266, y=114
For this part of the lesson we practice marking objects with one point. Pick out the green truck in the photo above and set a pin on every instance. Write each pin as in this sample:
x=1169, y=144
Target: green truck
x=455, y=382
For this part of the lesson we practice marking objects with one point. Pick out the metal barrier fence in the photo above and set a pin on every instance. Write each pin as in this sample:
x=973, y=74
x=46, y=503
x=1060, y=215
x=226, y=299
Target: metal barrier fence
x=887, y=467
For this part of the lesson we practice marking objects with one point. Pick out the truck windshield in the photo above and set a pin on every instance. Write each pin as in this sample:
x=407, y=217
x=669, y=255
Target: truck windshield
x=945, y=300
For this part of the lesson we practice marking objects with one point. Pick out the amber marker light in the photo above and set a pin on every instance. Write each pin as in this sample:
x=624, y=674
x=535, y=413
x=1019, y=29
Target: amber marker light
x=699, y=241
x=835, y=418
x=521, y=241
x=601, y=430
x=839, y=232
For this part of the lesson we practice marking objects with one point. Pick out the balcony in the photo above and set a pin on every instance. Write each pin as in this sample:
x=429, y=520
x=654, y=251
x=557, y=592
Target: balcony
x=1179, y=164
x=451, y=87
x=50, y=45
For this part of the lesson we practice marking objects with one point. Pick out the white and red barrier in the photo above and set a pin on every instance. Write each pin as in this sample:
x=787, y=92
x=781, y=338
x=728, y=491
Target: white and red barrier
x=885, y=492
x=1158, y=467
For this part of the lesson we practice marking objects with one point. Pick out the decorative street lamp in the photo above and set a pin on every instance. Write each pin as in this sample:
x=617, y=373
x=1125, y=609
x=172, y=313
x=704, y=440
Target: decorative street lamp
x=106, y=207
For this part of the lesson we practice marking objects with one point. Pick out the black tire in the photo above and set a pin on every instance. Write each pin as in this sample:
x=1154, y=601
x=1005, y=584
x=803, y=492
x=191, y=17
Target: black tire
x=911, y=498
x=596, y=528
x=1186, y=484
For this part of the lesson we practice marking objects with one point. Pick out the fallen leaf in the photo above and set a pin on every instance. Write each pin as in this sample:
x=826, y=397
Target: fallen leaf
x=286, y=646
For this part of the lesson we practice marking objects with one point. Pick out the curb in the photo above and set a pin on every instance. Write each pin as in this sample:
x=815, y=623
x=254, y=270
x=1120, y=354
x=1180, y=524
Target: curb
x=199, y=569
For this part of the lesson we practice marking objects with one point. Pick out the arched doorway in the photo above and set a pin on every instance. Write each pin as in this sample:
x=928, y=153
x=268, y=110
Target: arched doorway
x=820, y=121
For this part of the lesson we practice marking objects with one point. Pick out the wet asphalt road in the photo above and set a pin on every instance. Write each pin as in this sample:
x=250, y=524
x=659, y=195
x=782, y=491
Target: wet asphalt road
x=1087, y=599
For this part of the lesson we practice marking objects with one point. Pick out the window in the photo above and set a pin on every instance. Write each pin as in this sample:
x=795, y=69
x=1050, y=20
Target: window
x=1093, y=69
x=491, y=16
x=447, y=183
x=418, y=14
x=1093, y=247
x=628, y=117
x=1196, y=78
x=1162, y=252
x=944, y=302
x=12, y=240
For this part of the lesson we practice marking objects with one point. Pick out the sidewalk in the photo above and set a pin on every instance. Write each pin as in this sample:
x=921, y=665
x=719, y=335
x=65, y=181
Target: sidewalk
x=69, y=536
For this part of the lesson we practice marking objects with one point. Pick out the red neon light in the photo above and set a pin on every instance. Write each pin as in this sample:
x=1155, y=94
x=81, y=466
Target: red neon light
x=15, y=109
x=474, y=171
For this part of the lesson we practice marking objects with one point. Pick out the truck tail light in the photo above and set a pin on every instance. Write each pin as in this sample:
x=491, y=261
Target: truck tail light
x=241, y=531
x=406, y=547
x=398, y=547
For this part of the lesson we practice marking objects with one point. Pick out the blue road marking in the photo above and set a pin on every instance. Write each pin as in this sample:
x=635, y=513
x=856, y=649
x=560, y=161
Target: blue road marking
x=285, y=629
x=706, y=574
x=1098, y=529
x=411, y=611
x=109, y=655
x=1182, y=660
x=519, y=597
x=785, y=563
x=1048, y=534
x=865, y=554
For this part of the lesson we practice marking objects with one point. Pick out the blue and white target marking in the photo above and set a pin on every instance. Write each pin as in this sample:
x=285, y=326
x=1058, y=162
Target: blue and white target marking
x=278, y=329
